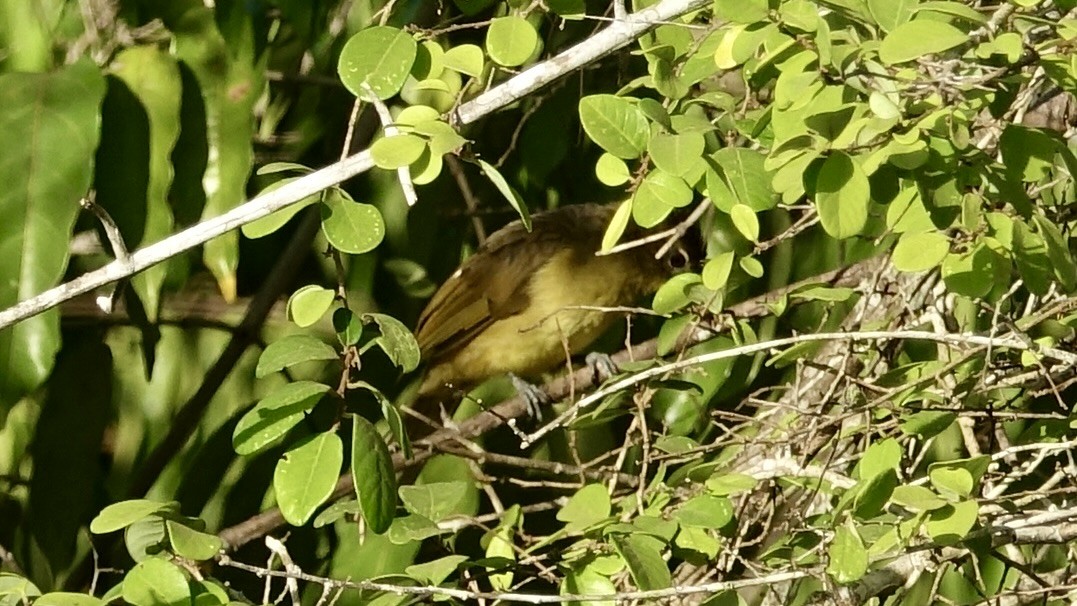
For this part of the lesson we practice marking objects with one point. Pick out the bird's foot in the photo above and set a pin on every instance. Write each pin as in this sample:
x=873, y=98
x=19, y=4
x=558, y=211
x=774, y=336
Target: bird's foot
x=534, y=397
x=602, y=365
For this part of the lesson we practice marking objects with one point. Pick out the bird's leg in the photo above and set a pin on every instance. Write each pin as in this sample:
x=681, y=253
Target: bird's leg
x=602, y=365
x=532, y=395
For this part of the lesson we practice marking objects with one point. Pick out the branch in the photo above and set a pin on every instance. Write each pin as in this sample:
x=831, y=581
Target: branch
x=619, y=34
x=527, y=598
x=952, y=339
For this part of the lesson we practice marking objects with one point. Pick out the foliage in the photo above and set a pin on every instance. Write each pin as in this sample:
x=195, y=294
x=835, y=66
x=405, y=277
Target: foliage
x=862, y=392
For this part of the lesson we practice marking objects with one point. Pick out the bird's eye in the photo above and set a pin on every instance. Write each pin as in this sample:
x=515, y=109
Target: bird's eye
x=678, y=260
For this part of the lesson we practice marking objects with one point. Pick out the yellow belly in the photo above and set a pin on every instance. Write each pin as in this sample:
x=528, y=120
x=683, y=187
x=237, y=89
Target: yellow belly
x=552, y=327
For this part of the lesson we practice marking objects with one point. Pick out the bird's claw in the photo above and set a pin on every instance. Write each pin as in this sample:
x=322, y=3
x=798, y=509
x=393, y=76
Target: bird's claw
x=534, y=397
x=602, y=365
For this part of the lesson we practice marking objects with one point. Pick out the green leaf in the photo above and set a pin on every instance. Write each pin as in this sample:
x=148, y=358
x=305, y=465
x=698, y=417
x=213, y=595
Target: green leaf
x=156, y=582
x=848, y=558
x=306, y=474
x=648, y=210
x=927, y=423
x=466, y=59
x=146, y=538
x=17, y=588
x=953, y=9
x=890, y=14
x=351, y=227
x=231, y=79
x=907, y=213
x=920, y=252
x=676, y=154
x=123, y=514
x=872, y=494
x=617, y=225
x=916, y=39
x=429, y=61
x=973, y=273
x=615, y=124
x=65, y=598
x=842, y=196
x=746, y=221
x=510, y=41
x=952, y=523
x=507, y=192
x=412, y=528
x=277, y=219
x=335, y=512
x=275, y=414
x=499, y=547
x=192, y=544
x=643, y=554
x=153, y=76
x=435, y=501
x=611, y=170
x=347, y=326
x=878, y=458
x=705, y=511
x=751, y=266
x=724, y=484
x=396, y=151
x=716, y=271
x=589, y=582
x=440, y=137
x=436, y=571
x=308, y=304
x=590, y=505
x=918, y=498
x=1030, y=253
x=292, y=350
x=673, y=295
x=824, y=293
x=958, y=482
x=665, y=189
x=745, y=177
x=396, y=341
x=380, y=57
x=1058, y=252
x=375, y=480
x=50, y=122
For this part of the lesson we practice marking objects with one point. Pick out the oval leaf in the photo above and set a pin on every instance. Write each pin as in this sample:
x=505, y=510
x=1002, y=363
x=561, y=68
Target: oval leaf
x=920, y=252
x=372, y=471
x=378, y=57
x=915, y=39
x=465, y=58
x=308, y=304
x=615, y=124
x=291, y=350
x=842, y=196
x=510, y=41
x=396, y=151
x=123, y=514
x=156, y=582
x=396, y=341
x=306, y=474
x=275, y=414
x=351, y=227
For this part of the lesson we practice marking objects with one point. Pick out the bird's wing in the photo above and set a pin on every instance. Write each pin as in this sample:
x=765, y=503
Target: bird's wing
x=489, y=286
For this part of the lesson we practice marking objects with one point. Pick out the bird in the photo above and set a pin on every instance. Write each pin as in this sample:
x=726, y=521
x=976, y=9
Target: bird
x=526, y=296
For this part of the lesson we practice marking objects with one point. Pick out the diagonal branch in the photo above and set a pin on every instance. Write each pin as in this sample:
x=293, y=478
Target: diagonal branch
x=618, y=35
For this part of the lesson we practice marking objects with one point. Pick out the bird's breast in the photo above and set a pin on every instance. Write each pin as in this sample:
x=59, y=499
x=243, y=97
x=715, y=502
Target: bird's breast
x=560, y=316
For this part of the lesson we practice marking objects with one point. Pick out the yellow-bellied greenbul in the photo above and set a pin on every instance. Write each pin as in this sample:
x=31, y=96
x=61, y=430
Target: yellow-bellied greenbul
x=515, y=305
